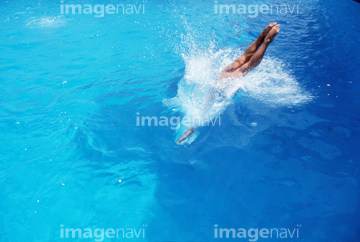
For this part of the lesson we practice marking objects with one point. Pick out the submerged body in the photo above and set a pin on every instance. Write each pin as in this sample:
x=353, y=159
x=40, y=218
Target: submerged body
x=244, y=64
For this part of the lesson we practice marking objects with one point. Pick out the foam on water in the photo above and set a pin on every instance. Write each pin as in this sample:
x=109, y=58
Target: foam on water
x=46, y=22
x=201, y=99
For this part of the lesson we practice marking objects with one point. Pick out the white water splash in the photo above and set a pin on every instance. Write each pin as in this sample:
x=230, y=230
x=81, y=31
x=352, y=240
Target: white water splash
x=46, y=22
x=201, y=97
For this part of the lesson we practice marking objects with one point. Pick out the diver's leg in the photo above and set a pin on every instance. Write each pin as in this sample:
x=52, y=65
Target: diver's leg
x=259, y=54
x=250, y=51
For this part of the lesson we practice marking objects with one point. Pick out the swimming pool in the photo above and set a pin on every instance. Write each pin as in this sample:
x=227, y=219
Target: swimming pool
x=73, y=156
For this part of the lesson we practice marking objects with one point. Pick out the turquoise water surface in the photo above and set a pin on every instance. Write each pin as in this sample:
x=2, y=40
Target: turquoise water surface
x=72, y=155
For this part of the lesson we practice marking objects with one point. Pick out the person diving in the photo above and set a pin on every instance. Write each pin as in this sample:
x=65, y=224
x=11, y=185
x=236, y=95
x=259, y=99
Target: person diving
x=249, y=60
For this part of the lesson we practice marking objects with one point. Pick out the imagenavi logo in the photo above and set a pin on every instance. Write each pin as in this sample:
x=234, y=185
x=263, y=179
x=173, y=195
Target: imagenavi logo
x=99, y=10
x=253, y=10
x=100, y=234
x=254, y=234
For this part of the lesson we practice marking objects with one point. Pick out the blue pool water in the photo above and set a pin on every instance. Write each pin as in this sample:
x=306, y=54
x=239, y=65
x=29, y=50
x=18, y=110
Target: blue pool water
x=286, y=154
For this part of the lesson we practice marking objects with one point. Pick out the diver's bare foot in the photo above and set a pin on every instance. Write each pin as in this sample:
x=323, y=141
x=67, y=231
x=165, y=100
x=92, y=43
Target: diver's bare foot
x=272, y=34
x=265, y=32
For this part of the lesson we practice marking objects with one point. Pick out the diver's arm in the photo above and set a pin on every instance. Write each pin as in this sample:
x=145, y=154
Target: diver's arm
x=187, y=134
